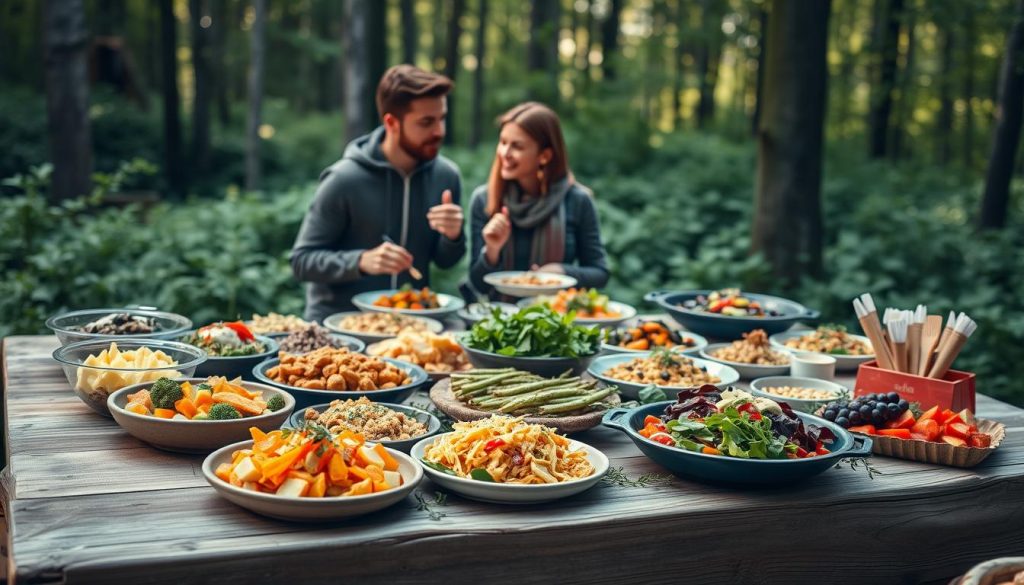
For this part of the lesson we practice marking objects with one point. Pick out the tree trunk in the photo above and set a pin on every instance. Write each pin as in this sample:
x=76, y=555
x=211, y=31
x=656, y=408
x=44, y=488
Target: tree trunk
x=451, y=62
x=477, y=128
x=542, y=51
x=1006, y=137
x=610, y=39
x=67, y=98
x=708, y=59
x=257, y=44
x=218, y=43
x=762, y=27
x=328, y=25
x=588, y=23
x=409, y=35
x=881, y=98
x=905, y=105
x=173, y=168
x=201, y=76
x=681, y=18
x=787, y=220
x=969, y=51
x=944, y=122
x=359, y=83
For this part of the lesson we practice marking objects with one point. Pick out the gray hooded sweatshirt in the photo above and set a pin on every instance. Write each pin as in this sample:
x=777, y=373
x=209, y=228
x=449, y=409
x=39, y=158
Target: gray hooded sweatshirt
x=360, y=198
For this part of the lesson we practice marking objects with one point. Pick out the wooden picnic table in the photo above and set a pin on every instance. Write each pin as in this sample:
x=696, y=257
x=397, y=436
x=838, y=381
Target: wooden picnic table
x=87, y=503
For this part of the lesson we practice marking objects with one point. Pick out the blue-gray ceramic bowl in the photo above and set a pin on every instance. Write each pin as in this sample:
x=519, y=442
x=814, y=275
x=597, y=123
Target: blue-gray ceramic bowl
x=234, y=366
x=347, y=341
x=305, y=397
x=725, y=327
x=549, y=367
x=632, y=390
x=722, y=469
x=432, y=423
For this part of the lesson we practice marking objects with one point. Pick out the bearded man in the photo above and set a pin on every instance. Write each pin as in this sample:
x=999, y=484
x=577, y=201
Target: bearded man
x=389, y=207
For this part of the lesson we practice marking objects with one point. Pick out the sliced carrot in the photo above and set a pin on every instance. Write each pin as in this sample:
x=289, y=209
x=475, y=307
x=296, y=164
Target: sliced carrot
x=319, y=486
x=186, y=389
x=203, y=397
x=257, y=435
x=381, y=486
x=641, y=344
x=358, y=472
x=137, y=408
x=164, y=412
x=361, y=488
x=390, y=463
x=185, y=407
x=279, y=465
x=224, y=471
x=241, y=403
x=710, y=451
x=337, y=470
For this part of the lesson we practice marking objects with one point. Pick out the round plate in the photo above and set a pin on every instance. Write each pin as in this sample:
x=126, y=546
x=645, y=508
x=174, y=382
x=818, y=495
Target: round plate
x=496, y=279
x=333, y=323
x=195, y=436
x=443, y=397
x=719, y=326
x=432, y=423
x=310, y=509
x=844, y=363
x=625, y=312
x=449, y=304
x=747, y=371
x=632, y=390
x=505, y=493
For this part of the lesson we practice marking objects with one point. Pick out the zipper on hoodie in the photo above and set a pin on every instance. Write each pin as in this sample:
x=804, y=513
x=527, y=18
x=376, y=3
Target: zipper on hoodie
x=406, y=181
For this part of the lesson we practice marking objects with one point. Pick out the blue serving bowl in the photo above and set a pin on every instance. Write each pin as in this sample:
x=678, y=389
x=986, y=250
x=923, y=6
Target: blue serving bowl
x=727, y=375
x=234, y=366
x=721, y=469
x=729, y=328
x=305, y=397
x=433, y=424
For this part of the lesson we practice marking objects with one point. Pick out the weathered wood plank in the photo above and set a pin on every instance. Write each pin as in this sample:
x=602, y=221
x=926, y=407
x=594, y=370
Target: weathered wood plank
x=88, y=503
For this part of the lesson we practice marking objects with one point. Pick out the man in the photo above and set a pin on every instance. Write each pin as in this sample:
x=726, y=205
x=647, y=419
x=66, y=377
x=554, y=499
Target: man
x=389, y=185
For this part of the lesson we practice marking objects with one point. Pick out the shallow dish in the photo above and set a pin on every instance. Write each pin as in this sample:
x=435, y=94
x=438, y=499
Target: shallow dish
x=433, y=424
x=700, y=342
x=71, y=357
x=449, y=304
x=746, y=371
x=310, y=509
x=803, y=405
x=234, y=366
x=718, y=326
x=170, y=325
x=445, y=400
x=305, y=397
x=333, y=323
x=347, y=341
x=549, y=367
x=938, y=452
x=734, y=470
x=505, y=493
x=632, y=390
x=496, y=279
x=844, y=363
x=195, y=436
x=625, y=312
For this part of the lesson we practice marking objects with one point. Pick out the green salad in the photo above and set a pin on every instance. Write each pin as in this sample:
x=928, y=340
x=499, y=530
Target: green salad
x=533, y=332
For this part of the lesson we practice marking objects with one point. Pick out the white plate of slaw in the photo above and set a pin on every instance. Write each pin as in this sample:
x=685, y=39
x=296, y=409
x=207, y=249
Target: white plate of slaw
x=512, y=493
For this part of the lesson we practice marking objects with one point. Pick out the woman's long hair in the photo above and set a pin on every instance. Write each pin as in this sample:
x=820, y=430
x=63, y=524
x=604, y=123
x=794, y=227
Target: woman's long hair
x=540, y=123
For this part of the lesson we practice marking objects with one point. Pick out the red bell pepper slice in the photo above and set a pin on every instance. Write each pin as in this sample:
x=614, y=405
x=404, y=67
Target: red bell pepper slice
x=243, y=332
x=494, y=444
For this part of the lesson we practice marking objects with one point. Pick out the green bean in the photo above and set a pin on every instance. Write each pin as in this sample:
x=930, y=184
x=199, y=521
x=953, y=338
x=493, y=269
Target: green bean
x=524, y=388
x=537, y=399
x=487, y=381
x=580, y=403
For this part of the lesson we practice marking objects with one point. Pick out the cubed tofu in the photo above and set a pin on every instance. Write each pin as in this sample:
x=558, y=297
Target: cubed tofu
x=393, y=478
x=370, y=456
x=246, y=470
x=293, y=487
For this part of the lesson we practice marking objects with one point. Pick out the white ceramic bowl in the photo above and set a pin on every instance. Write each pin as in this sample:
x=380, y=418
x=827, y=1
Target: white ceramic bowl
x=333, y=322
x=507, y=493
x=310, y=509
x=747, y=371
x=449, y=305
x=559, y=282
x=804, y=405
x=631, y=390
x=844, y=363
x=196, y=436
x=625, y=312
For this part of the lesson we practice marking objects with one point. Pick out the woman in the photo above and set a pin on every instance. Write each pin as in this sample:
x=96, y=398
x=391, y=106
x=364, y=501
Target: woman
x=532, y=214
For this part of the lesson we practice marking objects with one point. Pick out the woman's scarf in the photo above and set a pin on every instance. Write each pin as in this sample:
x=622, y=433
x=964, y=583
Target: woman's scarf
x=545, y=214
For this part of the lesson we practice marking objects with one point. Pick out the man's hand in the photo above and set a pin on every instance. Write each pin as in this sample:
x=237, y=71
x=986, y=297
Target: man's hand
x=446, y=218
x=496, y=234
x=385, y=259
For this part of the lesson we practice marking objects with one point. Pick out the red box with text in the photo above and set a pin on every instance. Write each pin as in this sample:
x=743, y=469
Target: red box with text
x=954, y=391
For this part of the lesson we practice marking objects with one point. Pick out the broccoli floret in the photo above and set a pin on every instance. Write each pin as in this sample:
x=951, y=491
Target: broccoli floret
x=222, y=411
x=275, y=403
x=165, y=392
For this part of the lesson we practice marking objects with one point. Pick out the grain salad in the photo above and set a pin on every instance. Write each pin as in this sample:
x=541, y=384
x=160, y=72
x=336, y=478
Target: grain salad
x=663, y=368
x=374, y=421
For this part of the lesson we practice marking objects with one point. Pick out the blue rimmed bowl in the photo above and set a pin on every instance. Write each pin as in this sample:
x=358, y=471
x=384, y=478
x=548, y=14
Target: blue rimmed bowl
x=432, y=423
x=721, y=469
x=304, y=397
x=632, y=390
x=234, y=366
x=719, y=326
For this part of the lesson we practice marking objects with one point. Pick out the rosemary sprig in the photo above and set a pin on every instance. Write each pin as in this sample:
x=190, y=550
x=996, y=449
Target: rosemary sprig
x=425, y=504
x=855, y=462
x=616, y=476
